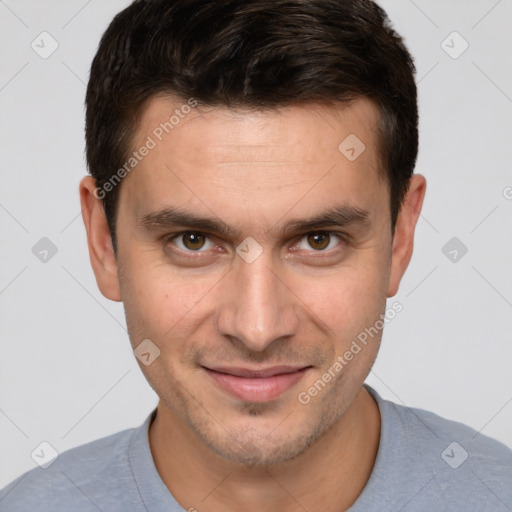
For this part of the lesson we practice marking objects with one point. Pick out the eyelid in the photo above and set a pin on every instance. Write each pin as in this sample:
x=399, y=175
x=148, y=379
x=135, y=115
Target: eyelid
x=342, y=236
x=170, y=237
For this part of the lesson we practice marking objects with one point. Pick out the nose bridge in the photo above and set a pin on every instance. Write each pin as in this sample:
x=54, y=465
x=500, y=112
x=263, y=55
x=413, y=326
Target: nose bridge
x=260, y=309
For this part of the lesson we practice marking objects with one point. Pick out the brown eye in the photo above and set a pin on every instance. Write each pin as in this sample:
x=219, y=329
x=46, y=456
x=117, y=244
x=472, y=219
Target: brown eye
x=190, y=244
x=193, y=240
x=319, y=241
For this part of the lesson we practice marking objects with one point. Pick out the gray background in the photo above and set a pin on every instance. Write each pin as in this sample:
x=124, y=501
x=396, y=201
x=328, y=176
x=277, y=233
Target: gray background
x=67, y=373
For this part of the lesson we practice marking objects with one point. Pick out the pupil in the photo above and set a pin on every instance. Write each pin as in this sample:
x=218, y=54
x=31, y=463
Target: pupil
x=193, y=240
x=319, y=238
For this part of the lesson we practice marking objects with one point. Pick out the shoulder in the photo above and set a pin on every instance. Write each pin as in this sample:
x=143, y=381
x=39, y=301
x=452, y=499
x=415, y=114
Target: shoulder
x=445, y=462
x=76, y=480
x=463, y=440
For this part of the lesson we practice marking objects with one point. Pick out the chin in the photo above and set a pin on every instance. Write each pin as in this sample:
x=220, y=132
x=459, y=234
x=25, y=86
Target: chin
x=252, y=448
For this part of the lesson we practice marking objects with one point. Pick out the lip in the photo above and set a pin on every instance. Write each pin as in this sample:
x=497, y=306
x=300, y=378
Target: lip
x=256, y=385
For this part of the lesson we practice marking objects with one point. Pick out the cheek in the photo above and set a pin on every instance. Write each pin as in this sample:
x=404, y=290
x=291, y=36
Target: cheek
x=160, y=303
x=349, y=300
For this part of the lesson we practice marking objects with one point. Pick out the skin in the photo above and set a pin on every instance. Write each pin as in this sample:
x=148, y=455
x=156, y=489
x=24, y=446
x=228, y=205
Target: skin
x=296, y=304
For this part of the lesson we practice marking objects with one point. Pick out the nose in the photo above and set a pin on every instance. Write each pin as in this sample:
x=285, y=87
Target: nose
x=258, y=307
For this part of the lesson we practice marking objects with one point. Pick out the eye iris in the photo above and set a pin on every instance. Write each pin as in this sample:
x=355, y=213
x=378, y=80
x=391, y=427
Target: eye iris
x=193, y=240
x=321, y=240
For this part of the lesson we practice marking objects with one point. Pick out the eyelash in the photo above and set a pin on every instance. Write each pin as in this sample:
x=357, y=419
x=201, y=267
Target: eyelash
x=342, y=236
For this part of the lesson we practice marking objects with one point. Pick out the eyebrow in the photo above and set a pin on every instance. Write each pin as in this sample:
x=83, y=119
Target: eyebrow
x=170, y=217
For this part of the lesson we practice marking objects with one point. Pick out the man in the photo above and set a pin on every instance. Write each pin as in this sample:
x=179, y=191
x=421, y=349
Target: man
x=253, y=204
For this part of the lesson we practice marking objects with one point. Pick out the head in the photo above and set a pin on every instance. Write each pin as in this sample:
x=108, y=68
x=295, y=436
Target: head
x=252, y=203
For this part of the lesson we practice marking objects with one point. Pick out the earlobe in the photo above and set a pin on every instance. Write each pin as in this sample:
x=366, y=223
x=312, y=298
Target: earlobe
x=99, y=240
x=403, y=239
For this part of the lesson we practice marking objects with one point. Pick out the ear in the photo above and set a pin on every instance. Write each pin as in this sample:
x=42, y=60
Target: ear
x=99, y=240
x=403, y=238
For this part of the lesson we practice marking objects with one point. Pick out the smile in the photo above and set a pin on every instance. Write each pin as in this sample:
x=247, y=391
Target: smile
x=256, y=385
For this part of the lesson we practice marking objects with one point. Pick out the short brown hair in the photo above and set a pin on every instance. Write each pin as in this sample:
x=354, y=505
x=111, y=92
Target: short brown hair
x=249, y=53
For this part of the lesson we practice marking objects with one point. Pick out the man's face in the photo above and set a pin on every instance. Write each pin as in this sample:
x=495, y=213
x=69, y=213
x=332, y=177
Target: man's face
x=288, y=302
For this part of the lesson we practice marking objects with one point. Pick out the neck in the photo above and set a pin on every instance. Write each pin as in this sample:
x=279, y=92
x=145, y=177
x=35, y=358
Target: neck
x=329, y=475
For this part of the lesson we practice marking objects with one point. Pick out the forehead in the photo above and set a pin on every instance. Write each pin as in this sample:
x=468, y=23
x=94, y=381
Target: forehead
x=299, y=130
x=266, y=162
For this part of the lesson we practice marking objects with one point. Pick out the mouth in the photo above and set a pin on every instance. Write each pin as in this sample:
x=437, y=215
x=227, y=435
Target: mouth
x=259, y=385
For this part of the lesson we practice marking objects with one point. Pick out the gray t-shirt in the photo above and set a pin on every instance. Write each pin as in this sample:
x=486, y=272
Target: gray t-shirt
x=424, y=463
